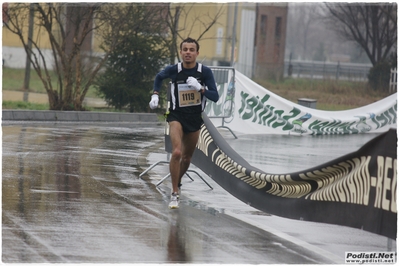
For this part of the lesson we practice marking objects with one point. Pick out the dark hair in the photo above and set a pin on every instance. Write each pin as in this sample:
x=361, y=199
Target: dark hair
x=190, y=40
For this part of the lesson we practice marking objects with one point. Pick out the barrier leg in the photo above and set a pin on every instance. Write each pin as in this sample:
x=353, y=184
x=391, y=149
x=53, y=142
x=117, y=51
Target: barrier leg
x=229, y=130
x=152, y=166
x=201, y=178
x=168, y=175
x=163, y=179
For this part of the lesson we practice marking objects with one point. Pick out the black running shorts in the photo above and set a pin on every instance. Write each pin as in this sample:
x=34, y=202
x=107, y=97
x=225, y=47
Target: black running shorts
x=189, y=122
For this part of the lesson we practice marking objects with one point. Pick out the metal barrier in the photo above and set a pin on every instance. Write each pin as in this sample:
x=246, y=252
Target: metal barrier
x=225, y=107
x=326, y=70
x=393, y=80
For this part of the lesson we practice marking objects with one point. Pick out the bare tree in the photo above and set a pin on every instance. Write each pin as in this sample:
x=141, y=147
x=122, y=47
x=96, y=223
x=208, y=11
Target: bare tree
x=198, y=23
x=302, y=28
x=70, y=29
x=372, y=25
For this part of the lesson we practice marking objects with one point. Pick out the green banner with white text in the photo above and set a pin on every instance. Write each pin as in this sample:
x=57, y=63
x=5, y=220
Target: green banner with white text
x=248, y=108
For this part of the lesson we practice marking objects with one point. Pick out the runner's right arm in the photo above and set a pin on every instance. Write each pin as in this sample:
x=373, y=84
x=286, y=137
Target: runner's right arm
x=164, y=74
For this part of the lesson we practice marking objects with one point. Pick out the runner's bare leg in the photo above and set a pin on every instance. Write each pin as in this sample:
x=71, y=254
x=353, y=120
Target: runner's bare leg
x=188, y=146
x=176, y=137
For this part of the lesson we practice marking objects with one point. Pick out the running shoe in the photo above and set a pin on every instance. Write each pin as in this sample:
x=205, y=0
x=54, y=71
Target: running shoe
x=174, y=201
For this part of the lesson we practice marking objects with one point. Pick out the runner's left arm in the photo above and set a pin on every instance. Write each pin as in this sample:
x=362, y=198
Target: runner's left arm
x=211, y=93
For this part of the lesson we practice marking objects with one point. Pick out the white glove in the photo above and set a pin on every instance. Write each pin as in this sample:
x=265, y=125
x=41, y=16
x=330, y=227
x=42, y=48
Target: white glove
x=193, y=82
x=154, y=101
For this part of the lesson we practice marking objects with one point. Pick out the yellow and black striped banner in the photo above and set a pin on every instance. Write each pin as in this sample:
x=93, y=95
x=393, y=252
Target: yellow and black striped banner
x=356, y=190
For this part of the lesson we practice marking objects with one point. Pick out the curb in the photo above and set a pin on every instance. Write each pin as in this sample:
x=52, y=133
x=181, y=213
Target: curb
x=77, y=116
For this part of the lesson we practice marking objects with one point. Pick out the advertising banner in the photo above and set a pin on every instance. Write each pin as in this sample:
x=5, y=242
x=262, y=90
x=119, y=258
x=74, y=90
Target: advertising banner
x=248, y=108
x=356, y=190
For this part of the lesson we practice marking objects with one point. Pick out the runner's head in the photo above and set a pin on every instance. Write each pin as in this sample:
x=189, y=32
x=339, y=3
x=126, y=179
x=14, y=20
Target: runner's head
x=189, y=40
x=189, y=52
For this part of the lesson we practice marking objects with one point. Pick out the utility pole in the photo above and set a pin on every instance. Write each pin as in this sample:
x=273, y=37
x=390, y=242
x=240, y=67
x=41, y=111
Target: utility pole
x=233, y=36
x=28, y=53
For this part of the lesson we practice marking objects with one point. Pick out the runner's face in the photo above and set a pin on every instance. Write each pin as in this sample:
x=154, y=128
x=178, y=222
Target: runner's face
x=189, y=53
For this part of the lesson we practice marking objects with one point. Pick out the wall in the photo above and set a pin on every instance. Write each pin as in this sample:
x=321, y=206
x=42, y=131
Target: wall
x=270, y=40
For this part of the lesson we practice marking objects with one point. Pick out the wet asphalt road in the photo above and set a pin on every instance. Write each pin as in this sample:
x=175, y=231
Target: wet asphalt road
x=71, y=193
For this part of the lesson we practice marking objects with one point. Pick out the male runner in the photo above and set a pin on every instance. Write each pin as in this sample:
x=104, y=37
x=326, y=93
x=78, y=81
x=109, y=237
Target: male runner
x=192, y=83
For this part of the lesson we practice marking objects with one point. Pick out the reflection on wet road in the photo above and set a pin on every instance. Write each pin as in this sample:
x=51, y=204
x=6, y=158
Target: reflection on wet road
x=71, y=193
x=287, y=154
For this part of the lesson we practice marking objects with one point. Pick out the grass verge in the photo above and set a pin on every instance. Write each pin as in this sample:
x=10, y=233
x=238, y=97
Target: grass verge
x=13, y=80
x=330, y=95
x=24, y=105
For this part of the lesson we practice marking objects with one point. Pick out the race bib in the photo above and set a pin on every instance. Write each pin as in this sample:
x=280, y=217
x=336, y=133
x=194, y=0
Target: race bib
x=188, y=96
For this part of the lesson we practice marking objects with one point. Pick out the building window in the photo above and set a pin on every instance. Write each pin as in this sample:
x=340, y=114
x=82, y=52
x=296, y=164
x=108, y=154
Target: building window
x=278, y=27
x=263, y=25
x=276, y=53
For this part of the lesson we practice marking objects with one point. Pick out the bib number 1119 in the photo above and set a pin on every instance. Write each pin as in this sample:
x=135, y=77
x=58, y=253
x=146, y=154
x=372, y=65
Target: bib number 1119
x=188, y=96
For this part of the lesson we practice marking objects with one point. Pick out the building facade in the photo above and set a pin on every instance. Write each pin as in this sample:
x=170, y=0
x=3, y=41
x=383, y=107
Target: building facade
x=258, y=30
x=270, y=40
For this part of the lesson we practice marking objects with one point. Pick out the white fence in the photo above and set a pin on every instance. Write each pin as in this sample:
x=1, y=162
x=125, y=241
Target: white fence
x=393, y=80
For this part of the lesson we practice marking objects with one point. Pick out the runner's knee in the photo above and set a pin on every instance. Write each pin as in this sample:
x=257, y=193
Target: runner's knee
x=176, y=154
